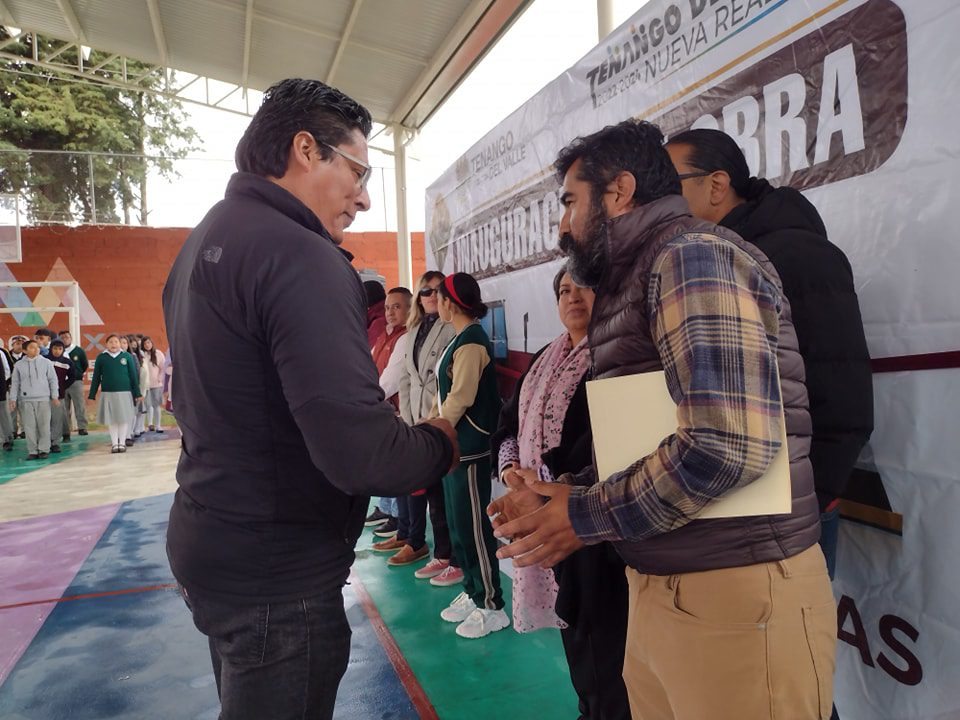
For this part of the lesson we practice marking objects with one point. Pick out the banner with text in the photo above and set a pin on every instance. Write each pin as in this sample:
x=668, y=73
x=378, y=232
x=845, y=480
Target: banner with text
x=849, y=101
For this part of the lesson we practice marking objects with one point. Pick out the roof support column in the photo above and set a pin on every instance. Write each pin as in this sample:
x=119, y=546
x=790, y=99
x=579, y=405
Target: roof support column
x=604, y=18
x=404, y=247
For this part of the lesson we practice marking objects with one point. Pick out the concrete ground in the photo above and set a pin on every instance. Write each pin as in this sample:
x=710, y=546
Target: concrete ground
x=91, y=625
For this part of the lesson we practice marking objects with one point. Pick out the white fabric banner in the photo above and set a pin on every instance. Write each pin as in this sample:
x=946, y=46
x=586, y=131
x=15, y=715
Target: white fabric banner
x=854, y=102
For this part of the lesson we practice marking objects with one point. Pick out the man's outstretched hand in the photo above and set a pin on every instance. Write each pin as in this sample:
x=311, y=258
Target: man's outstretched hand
x=520, y=501
x=544, y=536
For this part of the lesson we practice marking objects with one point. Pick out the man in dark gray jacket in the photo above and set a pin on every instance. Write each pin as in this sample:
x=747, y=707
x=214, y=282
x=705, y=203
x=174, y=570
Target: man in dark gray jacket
x=285, y=429
x=729, y=617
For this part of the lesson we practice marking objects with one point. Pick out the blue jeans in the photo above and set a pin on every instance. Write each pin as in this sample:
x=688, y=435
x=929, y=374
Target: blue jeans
x=278, y=660
x=388, y=506
x=412, y=520
x=829, y=534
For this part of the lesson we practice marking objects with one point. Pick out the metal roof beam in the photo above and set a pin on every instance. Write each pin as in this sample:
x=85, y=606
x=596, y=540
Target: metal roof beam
x=156, y=22
x=11, y=40
x=125, y=82
x=63, y=48
x=344, y=39
x=456, y=36
x=247, y=42
x=480, y=26
x=70, y=18
x=316, y=32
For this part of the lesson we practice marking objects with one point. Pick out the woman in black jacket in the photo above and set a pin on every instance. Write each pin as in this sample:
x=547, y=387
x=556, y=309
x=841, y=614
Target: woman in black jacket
x=546, y=427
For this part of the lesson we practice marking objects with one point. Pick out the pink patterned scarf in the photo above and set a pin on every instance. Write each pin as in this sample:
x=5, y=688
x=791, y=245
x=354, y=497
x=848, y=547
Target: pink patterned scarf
x=544, y=399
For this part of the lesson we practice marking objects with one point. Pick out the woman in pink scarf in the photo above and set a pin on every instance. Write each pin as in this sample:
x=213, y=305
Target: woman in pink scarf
x=546, y=428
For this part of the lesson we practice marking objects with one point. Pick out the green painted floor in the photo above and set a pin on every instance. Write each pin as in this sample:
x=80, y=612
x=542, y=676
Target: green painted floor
x=14, y=463
x=504, y=675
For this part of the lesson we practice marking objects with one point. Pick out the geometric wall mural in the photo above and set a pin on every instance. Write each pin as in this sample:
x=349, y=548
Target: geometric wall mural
x=47, y=297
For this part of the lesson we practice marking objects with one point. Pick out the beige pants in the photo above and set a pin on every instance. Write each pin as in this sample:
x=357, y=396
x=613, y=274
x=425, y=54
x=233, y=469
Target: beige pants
x=748, y=643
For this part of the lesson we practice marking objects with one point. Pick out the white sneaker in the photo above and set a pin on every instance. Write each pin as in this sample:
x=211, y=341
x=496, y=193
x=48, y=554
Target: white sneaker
x=482, y=622
x=459, y=609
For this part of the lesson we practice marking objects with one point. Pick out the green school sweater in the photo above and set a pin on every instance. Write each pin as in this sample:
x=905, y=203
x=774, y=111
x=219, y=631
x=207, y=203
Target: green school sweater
x=467, y=391
x=79, y=358
x=115, y=375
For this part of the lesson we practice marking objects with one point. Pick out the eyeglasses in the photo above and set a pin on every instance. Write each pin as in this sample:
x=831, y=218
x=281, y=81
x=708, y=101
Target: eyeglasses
x=687, y=176
x=427, y=291
x=365, y=170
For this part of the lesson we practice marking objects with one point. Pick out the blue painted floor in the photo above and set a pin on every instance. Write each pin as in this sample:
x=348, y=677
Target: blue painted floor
x=138, y=655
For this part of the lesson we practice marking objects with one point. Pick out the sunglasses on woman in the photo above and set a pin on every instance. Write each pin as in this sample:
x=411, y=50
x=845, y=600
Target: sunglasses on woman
x=427, y=291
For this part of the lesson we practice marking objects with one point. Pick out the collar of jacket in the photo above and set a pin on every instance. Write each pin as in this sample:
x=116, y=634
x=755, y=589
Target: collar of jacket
x=627, y=233
x=281, y=200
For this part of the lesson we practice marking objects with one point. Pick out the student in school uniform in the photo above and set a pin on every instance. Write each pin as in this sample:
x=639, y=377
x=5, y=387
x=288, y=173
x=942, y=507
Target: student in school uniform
x=75, y=400
x=34, y=385
x=114, y=370
x=66, y=376
x=16, y=354
x=153, y=362
x=6, y=422
x=467, y=397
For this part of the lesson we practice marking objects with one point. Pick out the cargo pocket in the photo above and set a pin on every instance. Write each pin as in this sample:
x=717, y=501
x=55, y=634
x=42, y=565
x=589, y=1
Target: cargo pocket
x=820, y=627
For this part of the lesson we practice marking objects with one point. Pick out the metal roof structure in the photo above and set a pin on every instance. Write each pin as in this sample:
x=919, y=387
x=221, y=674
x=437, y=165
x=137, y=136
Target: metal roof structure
x=399, y=58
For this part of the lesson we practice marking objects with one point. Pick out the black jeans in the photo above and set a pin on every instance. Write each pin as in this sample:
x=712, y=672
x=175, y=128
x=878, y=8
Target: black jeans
x=442, y=547
x=279, y=660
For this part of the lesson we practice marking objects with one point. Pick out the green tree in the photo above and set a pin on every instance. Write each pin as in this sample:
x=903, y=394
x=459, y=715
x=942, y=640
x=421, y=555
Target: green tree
x=117, y=136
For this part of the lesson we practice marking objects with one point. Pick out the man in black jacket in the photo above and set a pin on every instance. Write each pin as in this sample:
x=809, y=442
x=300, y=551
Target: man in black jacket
x=285, y=429
x=817, y=280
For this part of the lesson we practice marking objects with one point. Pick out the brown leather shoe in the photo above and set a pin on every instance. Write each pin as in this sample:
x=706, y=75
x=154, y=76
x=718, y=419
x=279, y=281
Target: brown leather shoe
x=389, y=545
x=408, y=555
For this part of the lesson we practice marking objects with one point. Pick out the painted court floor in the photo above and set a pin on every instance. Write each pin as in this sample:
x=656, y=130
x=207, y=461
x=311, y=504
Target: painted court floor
x=91, y=625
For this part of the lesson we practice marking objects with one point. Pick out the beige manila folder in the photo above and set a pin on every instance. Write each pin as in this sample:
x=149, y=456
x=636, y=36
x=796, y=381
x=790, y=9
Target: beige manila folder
x=633, y=414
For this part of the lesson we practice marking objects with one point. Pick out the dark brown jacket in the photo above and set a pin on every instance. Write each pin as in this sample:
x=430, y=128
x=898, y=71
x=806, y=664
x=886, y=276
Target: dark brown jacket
x=621, y=343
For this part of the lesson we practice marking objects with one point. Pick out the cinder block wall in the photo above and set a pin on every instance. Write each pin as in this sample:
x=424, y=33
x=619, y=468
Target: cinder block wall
x=122, y=271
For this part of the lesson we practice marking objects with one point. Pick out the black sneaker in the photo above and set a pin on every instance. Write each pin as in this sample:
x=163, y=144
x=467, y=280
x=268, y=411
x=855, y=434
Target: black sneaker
x=55, y=449
x=32, y=457
x=8, y=446
x=81, y=431
x=376, y=518
x=388, y=529
x=128, y=442
x=67, y=438
x=43, y=456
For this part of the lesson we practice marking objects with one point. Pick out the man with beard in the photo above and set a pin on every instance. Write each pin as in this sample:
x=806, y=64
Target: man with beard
x=729, y=618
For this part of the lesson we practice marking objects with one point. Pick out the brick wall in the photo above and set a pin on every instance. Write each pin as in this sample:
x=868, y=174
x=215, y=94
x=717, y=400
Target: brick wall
x=121, y=270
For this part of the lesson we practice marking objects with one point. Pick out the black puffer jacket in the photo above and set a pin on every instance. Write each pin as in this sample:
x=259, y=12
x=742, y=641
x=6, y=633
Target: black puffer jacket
x=818, y=282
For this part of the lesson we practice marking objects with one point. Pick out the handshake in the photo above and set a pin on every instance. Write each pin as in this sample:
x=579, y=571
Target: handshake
x=535, y=518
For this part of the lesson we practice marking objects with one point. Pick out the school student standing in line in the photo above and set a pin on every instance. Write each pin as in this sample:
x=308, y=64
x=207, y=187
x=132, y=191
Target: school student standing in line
x=6, y=423
x=75, y=399
x=66, y=375
x=16, y=354
x=131, y=431
x=114, y=370
x=34, y=385
x=467, y=397
x=153, y=361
